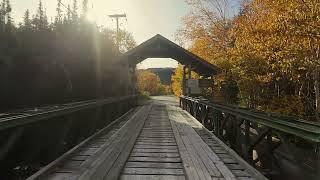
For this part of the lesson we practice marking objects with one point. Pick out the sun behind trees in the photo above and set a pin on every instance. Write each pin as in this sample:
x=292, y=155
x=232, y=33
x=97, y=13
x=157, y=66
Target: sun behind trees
x=268, y=52
x=46, y=60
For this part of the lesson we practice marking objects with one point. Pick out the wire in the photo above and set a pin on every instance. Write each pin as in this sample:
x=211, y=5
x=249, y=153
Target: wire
x=68, y=9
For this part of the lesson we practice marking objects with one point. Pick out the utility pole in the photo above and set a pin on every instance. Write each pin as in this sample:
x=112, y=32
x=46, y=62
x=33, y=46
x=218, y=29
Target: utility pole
x=117, y=17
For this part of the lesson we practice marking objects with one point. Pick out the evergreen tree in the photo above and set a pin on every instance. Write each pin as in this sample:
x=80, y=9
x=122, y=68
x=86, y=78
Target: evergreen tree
x=69, y=16
x=58, y=18
x=75, y=12
x=26, y=20
x=2, y=16
x=84, y=8
x=8, y=16
x=41, y=21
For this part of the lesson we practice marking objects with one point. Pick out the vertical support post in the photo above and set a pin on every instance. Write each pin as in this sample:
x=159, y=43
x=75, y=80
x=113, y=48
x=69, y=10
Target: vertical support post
x=247, y=152
x=189, y=77
x=189, y=71
x=184, y=81
x=317, y=157
x=134, y=81
x=212, y=87
x=269, y=149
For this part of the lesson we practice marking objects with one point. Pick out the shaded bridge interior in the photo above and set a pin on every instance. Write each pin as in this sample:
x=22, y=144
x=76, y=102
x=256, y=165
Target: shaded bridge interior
x=160, y=47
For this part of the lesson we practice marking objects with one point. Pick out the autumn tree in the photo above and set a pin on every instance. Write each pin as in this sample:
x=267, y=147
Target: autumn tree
x=276, y=49
x=150, y=84
x=269, y=50
x=176, y=80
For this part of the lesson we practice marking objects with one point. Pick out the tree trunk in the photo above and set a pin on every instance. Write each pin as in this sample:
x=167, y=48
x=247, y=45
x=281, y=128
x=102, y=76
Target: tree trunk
x=316, y=90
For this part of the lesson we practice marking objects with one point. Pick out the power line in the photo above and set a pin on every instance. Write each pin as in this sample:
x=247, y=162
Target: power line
x=68, y=8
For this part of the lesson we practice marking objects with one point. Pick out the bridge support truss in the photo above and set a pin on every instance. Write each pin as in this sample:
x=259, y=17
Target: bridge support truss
x=268, y=141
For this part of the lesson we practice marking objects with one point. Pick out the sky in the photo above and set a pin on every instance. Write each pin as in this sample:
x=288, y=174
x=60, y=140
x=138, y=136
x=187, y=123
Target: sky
x=145, y=18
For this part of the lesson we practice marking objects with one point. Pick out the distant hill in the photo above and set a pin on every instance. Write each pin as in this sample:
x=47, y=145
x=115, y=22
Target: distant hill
x=164, y=74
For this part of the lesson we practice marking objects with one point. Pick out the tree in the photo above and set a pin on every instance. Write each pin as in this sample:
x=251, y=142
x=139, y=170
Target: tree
x=176, y=80
x=40, y=21
x=84, y=9
x=27, y=21
x=58, y=18
x=126, y=39
x=75, y=12
x=2, y=15
x=278, y=36
x=270, y=50
x=8, y=16
x=150, y=84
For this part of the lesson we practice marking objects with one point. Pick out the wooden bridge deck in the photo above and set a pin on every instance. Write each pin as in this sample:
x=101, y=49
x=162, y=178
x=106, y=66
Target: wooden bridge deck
x=159, y=142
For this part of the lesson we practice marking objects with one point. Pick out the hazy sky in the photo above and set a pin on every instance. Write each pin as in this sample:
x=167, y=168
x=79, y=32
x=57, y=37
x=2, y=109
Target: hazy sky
x=146, y=18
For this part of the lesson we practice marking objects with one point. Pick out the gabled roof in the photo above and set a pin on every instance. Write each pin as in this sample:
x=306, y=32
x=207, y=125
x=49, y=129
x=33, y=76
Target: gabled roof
x=160, y=47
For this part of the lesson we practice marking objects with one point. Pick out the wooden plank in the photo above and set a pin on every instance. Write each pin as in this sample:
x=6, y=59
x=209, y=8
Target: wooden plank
x=203, y=151
x=134, y=154
x=200, y=167
x=154, y=165
x=115, y=170
x=155, y=150
x=154, y=159
x=206, y=151
x=62, y=176
x=156, y=143
x=153, y=171
x=156, y=140
x=229, y=160
x=155, y=136
x=79, y=158
x=154, y=147
x=185, y=156
x=155, y=154
x=47, y=170
x=151, y=177
x=100, y=166
x=235, y=167
x=241, y=173
x=87, y=151
x=203, y=171
x=156, y=130
x=255, y=173
x=70, y=164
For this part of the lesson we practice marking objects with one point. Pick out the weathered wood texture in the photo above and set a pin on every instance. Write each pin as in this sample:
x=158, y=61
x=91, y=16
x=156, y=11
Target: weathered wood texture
x=159, y=142
x=155, y=155
x=220, y=161
x=99, y=156
x=239, y=167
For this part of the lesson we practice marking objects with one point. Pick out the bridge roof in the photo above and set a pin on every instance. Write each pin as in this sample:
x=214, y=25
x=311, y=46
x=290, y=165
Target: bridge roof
x=160, y=47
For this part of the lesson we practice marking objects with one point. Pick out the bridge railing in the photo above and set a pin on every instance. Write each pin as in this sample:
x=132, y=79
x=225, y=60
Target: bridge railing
x=263, y=139
x=32, y=138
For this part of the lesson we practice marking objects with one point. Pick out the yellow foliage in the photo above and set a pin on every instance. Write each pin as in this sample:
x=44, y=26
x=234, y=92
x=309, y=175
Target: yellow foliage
x=176, y=80
x=149, y=83
x=270, y=49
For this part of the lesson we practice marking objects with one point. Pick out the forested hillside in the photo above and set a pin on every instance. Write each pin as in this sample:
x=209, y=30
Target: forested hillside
x=65, y=59
x=149, y=83
x=268, y=52
x=163, y=73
